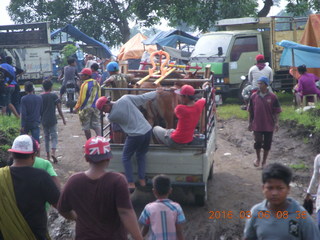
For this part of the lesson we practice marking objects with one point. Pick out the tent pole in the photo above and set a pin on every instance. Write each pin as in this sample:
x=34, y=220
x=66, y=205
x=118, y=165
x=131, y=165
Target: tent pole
x=293, y=63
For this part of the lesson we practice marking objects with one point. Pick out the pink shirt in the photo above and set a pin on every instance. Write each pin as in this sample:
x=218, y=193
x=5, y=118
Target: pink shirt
x=307, y=84
x=262, y=111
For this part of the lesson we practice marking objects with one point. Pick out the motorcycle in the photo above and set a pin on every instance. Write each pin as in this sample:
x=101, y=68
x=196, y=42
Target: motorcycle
x=71, y=101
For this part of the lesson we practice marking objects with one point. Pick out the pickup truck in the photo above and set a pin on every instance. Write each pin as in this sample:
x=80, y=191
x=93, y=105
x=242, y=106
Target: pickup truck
x=231, y=52
x=189, y=167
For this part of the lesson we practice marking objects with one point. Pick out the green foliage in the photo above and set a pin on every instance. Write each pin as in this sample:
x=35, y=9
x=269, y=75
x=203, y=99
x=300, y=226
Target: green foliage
x=5, y=147
x=301, y=7
x=229, y=111
x=67, y=52
x=9, y=129
x=299, y=166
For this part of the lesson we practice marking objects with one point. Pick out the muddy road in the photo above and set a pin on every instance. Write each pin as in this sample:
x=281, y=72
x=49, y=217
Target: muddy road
x=235, y=187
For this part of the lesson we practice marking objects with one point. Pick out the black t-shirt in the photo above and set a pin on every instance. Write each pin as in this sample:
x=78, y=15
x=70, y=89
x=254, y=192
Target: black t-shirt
x=33, y=188
x=49, y=102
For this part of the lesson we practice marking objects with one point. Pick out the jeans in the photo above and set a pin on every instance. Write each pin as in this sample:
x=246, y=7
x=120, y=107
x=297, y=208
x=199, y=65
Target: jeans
x=35, y=132
x=140, y=146
x=50, y=133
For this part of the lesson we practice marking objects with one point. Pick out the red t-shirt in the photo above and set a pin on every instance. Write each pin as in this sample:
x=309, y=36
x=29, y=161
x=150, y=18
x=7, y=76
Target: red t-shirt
x=188, y=118
x=96, y=202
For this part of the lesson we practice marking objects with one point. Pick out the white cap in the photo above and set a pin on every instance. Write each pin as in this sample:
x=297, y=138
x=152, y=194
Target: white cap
x=22, y=144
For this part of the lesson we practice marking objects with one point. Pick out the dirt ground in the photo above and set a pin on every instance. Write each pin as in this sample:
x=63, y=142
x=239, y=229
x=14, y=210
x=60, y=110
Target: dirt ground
x=235, y=187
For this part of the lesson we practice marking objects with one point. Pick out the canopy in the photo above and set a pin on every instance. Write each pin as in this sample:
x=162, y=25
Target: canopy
x=134, y=48
x=176, y=53
x=164, y=34
x=102, y=50
x=172, y=41
x=302, y=54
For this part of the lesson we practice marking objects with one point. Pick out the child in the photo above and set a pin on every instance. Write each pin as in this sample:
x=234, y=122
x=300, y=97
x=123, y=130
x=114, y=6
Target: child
x=279, y=217
x=163, y=217
x=49, y=120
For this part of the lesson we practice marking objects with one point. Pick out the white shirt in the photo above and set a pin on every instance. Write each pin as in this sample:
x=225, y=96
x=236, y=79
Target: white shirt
x=315, y=180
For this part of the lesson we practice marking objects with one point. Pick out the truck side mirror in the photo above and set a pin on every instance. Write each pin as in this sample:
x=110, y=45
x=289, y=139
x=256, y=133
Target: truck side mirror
x=220, y=52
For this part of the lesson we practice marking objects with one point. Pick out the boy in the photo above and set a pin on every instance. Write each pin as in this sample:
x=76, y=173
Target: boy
x=279, y=217
x=163, y=217
x=31, y=109
x=50, y=102
x=98, y=199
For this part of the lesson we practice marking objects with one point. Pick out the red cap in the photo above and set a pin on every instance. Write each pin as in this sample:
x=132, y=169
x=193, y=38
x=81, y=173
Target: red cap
x=86, y=71
x=97, y=149
x=259, y=57
x=101, y=102
x=186, y=90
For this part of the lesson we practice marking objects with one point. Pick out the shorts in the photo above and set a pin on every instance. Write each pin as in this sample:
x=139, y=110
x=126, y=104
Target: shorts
x=263, y=140
x=89, y=118
x=63, y=89
x=5, y=98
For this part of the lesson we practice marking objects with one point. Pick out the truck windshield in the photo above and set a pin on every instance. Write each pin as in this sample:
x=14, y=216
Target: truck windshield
x=207, y=46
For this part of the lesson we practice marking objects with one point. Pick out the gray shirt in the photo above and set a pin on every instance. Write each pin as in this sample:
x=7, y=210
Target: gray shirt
x=297, y=225
x=125, y=112
x=70, y=73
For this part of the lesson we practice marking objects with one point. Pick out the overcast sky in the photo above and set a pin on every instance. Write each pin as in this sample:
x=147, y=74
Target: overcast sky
x=5, y=19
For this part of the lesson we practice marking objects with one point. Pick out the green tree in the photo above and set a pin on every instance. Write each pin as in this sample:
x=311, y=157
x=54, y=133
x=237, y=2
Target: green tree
x=100, y=19
x=67, y=52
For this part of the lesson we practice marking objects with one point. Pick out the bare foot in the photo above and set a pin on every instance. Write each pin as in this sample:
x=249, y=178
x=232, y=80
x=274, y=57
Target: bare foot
x=256, y=163
x=263, y=164
x=142, y=182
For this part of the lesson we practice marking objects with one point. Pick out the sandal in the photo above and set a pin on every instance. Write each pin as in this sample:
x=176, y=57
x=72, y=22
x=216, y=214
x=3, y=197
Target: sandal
x=256, y=163
x=55, y=160
x=131, y=187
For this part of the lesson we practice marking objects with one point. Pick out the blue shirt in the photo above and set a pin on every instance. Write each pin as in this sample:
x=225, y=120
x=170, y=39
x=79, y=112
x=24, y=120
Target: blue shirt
x=31, y=108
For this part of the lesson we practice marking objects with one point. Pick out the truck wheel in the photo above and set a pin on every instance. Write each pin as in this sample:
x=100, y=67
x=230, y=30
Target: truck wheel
x=199, y=200
x=242, y=86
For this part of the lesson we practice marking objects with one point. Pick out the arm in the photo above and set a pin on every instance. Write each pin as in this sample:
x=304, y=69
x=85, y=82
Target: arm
x=250, y=76
x=271, y=76
x=315, y=175
x=139, y=100
x=23, y=113
x=129, y=220
x=60, y=113
x=61, y=75
x=145, y=230
x=179, y=230
x=250, y=115
x=276, y=121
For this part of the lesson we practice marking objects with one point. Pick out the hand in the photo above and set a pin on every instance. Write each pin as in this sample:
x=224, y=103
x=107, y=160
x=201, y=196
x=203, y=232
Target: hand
x=22, y=130
x=250, y=127
x=64, y=121
x=75, y=111
x=276, y=127
x=308, y=196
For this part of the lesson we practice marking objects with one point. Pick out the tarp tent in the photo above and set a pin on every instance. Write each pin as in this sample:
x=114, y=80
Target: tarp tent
x=92, y=46
x=295, y=54
x=311, y=36
x=134, y=48
x=179, y=37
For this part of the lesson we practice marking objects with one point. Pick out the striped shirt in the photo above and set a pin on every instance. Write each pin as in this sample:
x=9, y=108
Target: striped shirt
x=162, y=217
x=89, y=93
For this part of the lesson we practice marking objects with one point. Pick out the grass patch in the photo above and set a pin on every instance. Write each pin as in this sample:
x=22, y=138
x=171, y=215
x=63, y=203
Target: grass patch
x=300, y=166
x=10, y=127
x=231, y=111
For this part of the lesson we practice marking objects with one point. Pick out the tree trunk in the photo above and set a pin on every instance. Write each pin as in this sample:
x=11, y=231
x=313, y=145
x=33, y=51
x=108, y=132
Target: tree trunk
x=266, y=8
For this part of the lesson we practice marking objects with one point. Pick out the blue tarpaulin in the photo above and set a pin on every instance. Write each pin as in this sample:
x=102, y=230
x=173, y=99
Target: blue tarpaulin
x=165, y=34
x=172, y=41
x=78, y=35
x=303, y=54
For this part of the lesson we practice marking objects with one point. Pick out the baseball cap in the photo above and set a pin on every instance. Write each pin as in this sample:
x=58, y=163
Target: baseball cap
x=112, y=67
x=265, y=80
x=97, y=149
x=101, y=102
x=186, y=90
x=259, y=57
x=22, y=144
x=86, y=71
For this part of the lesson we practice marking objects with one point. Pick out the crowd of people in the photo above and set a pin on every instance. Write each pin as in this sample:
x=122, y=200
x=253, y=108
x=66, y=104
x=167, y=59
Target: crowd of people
x=98, y=199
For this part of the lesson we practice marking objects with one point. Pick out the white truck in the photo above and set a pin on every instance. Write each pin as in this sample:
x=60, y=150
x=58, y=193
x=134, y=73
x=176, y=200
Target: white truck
x=189, y=167
x=29, y=46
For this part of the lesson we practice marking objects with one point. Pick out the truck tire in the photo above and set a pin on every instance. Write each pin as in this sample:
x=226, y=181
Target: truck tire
x=199, y=200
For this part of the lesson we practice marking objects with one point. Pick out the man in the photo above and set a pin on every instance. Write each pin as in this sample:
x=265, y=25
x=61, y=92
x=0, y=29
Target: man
x=99, y=200
x=125, y=112
x=24, y=192
x=188, y=114
x=10, y=86
x=117, y=80
x=31, y=109
x=69, y=74
x=86, y=104
x=260, y=69
x=89, y=61
x=264, y=110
